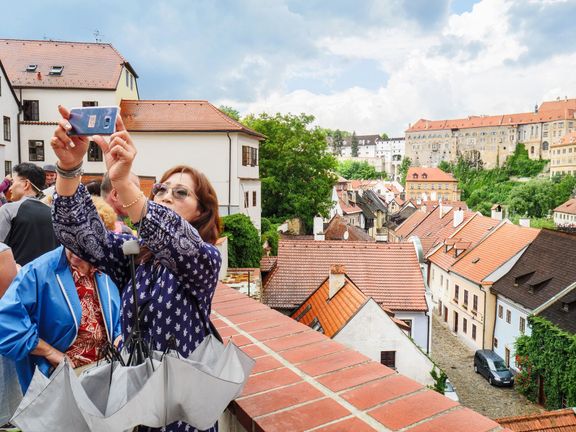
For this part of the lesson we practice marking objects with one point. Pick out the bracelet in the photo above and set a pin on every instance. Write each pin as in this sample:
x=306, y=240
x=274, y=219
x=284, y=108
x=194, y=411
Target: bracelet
x=77, y=171
x=140, y=196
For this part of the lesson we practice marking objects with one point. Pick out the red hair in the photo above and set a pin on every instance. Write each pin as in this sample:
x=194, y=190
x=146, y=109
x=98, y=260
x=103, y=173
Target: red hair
x=208, y=221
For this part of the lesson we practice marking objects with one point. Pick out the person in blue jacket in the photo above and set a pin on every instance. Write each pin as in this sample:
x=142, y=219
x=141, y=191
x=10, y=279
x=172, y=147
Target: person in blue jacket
x=58, y=305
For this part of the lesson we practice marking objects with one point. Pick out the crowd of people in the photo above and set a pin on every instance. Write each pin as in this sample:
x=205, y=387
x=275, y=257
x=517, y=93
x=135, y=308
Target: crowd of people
x=64, y=279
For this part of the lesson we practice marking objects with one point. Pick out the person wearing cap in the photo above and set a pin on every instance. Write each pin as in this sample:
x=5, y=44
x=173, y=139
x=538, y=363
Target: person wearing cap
x=26, y=223
x=50, y=171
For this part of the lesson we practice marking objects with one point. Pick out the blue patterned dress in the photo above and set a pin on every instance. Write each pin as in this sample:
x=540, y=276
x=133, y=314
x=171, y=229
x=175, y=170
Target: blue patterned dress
x=182, y=274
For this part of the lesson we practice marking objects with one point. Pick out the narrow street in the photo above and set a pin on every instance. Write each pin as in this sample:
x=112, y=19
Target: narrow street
x=457, y=360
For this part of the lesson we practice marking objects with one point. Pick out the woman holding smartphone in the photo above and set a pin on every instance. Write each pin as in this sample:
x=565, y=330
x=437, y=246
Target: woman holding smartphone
x=178, y=226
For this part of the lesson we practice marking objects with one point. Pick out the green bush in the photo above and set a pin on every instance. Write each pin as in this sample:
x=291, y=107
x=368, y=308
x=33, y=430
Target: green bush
x=549, y=353
x=244, y=247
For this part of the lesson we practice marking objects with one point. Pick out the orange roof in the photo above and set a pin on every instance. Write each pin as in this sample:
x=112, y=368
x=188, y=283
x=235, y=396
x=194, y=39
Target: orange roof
x=349, y=208
x=558, y=104
x=387, y=272
x=86, y=65
x=472, y=231
x=420, y=174
x=178, y=116
x=568, y=207
x=411, y=223
x=362, y=184
x=333, y=314
x=549, y=113
x=563, y=420
x=436, y=227
x=497, y=248
x=267, y=263
x=338, y=226
x=568, y=139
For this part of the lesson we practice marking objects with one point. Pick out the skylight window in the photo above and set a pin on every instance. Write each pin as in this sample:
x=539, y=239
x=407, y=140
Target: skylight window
x=31, y=68
x=56, y=70
x=475, y=260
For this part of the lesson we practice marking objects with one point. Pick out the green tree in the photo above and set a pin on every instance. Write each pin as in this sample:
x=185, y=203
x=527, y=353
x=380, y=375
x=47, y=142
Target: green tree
x=445, y=166
x=354, y=144
x=244, y=247
x=337, y=141
x=384, y=136
x=404, y=166
x=230, y=112
x=519, y=163
x=352, y=170
x=440, y=378
x=296, y=169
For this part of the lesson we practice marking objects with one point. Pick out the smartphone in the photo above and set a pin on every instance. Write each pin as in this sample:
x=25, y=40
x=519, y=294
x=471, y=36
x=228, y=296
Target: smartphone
x=93, y=120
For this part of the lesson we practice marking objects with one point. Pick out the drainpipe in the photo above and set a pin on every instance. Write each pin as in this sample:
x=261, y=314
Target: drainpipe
x=483, y=316
x=18, y=126
x=229, y=170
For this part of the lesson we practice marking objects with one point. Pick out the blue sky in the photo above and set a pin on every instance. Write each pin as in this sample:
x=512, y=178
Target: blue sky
x=370, y=66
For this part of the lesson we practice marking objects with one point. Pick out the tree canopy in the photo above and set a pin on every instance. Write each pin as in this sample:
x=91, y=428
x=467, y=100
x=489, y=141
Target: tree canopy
x=230, y=112
x=352, y=170
x=296, y=170
x=354, y=144
x=244, y=248
x=406, y=163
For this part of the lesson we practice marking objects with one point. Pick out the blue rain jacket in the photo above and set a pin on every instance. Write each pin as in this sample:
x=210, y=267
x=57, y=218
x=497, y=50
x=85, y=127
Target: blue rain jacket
x=42, y=303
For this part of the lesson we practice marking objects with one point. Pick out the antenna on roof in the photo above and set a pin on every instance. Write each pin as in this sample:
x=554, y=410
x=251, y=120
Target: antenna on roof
x=97, y=35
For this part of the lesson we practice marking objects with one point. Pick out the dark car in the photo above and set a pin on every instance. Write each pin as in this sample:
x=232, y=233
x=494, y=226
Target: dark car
x=491, y=366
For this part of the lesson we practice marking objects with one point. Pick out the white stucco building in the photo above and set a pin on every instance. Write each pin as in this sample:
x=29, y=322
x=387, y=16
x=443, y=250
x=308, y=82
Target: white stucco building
x=45, y=74
x=9, y=109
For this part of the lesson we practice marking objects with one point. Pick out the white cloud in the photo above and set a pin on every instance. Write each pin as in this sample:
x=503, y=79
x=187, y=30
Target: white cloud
x=469, y=67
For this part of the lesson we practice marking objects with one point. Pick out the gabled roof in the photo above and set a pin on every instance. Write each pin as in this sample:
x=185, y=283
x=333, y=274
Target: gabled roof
x=472, y=231
x=411, y=222
x=568, y=207
x=558, y=105
x=389, y=273
x=563, y=420
x=267, y=263
x=4, y=74
x=497, y=248
x=350, y=208
x=332, y=313
x=437, y=225
x=373, y=201
x=562, y=312
x=338, y=226
x=179, y=116
x=86, y=65
x=420, y=174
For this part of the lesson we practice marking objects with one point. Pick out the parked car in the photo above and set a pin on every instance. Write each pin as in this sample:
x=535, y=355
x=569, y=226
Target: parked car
x=450, y=392
x=492, y=367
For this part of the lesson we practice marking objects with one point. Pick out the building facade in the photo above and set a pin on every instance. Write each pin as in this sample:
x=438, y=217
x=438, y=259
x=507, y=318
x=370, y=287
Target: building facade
x=431, y=184
x=563, y=156
x=9, y=109
x=490, y=139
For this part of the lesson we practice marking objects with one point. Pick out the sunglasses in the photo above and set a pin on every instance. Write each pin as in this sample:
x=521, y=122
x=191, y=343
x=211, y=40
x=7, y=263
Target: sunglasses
x=178, y=192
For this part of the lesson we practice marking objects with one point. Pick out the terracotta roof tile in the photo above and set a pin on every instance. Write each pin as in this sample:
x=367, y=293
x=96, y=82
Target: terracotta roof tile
x=86, y=65
x=568, y=139
x=267, y=263
x=338, y=226
x=389, y=273
x=472, y=232
x=557, y=105
x=428, y=175
x=563, y=420
x=306, y=381
x=332, y=313
x=497, y=248
x=568, y=207
x=178, y=115
x=415, y=219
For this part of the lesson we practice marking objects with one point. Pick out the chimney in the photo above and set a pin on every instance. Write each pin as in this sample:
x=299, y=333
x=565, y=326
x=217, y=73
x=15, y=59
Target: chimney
x=497, y=213
x=524, y=222
x=458, y=217
x=336, y=280
x=318, y=228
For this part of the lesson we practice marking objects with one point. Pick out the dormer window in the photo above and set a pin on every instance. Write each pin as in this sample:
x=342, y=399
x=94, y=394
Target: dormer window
x=414, y=176
x=31, y=68
x=56, y=70
x=424, y=176
x=565, y=307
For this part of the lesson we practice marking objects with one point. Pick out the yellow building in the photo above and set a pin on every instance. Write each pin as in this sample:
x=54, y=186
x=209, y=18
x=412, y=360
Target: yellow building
x=563, y=156
x=431, y=184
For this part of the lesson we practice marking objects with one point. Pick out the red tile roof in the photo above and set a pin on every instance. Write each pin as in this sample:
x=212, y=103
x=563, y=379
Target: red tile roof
x=568, y=139
x=338, y=226
x=332, y=313
x=267, y=263
x=557, y=105
x=472, y=231
x=411, y=223
x=389, y=273
x=428, y=175
x=303, y=380
x=179, y=116
x=550, y=112
x=568, y=207
x=86, y=65
x=497, y=248
x=563, y=420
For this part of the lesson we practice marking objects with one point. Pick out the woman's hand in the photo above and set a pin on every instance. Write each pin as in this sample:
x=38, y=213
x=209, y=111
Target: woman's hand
x=119, y=152
x=70, y=150
x=55, y=357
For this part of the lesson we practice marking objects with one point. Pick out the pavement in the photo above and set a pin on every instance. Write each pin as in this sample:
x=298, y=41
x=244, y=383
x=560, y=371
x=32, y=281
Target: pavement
x=457, y=360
